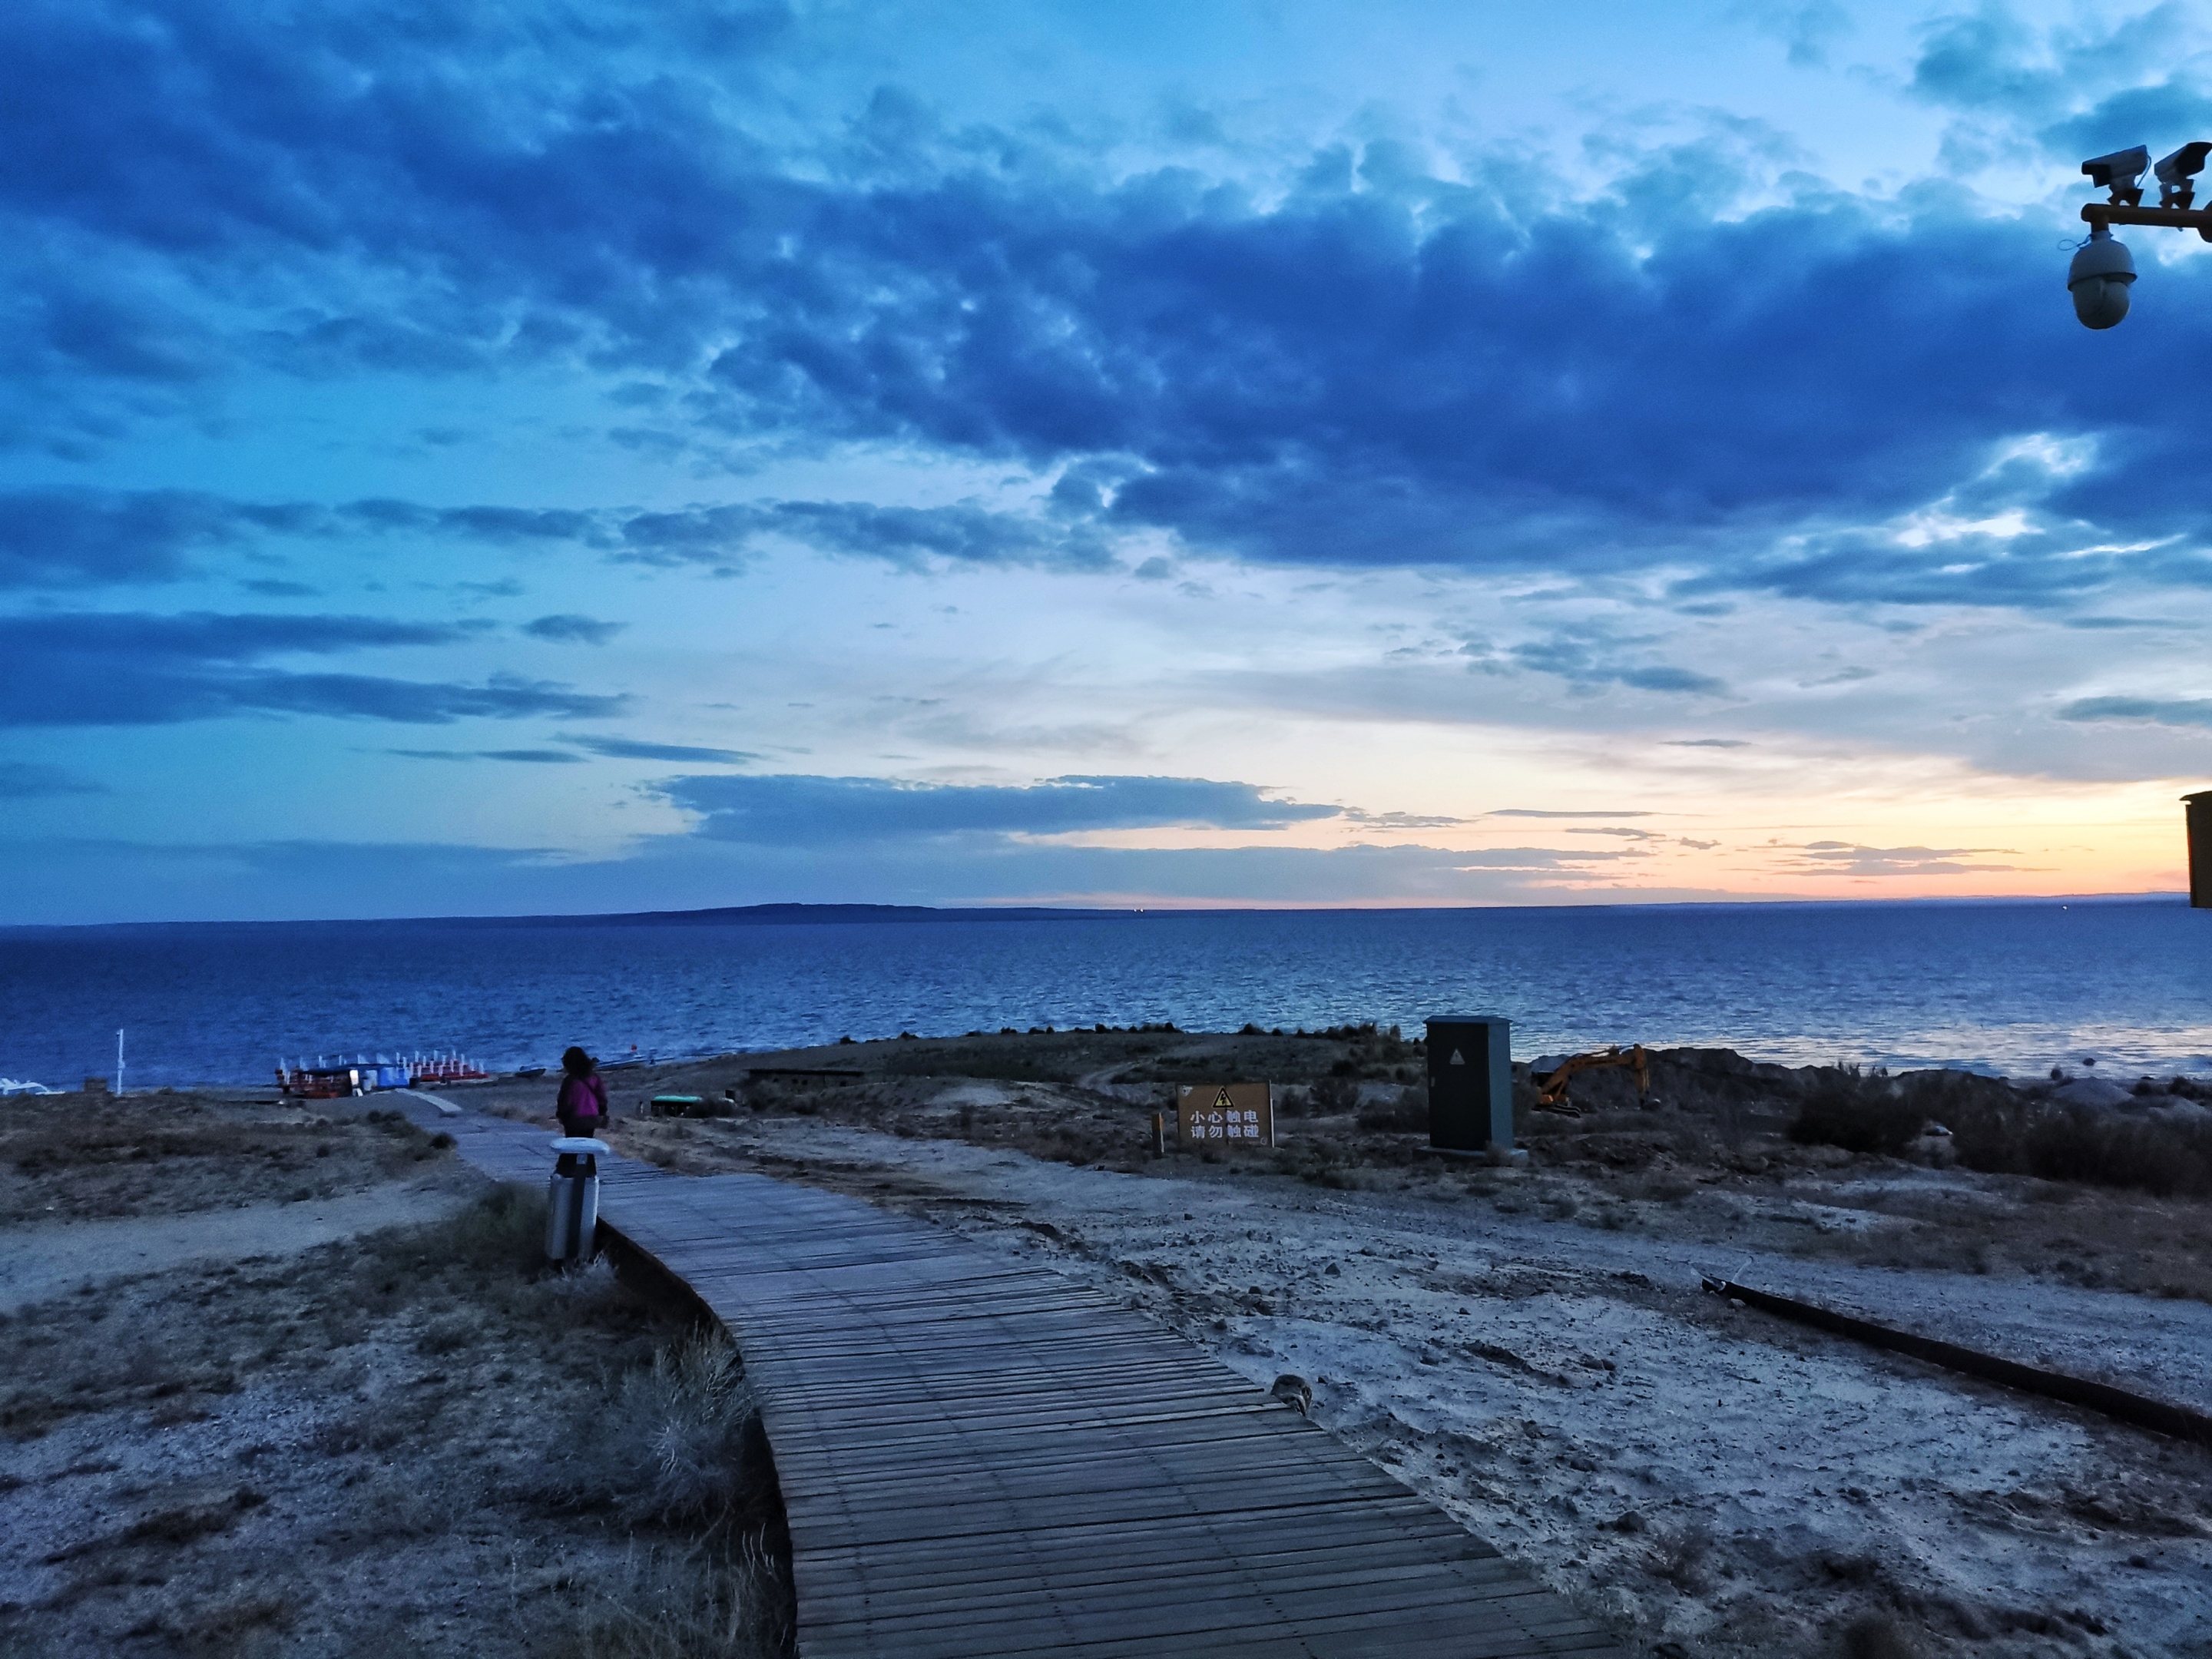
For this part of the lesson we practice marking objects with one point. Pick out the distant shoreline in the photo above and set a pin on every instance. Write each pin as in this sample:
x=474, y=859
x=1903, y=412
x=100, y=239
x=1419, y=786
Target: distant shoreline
x=770, y=916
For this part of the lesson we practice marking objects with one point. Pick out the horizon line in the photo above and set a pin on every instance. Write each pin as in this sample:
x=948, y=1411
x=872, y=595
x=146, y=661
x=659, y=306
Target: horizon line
x=1016, y=910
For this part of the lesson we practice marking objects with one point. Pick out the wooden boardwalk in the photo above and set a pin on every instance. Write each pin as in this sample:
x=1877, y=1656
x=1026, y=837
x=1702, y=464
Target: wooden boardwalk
x=979, y=1458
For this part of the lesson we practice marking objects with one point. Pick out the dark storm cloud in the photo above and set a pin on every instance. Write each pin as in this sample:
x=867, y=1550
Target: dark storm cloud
x=785, y=811
x=1371, y=367
x=127, y=669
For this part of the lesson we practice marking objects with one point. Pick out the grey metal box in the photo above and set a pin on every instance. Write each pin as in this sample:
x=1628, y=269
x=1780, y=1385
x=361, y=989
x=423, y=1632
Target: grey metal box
x=1471, y=1084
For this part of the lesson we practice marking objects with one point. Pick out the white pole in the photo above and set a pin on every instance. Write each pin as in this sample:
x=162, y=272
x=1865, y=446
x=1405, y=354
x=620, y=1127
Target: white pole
x=119, y=1063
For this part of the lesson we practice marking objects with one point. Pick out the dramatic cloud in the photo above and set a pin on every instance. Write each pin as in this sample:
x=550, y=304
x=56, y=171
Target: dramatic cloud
x=789, y=810
x=1373, y=364
x=1029, y=429
x=124, y=669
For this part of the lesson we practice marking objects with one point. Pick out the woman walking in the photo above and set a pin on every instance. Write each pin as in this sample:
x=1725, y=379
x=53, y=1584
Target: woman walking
x=582, y=1105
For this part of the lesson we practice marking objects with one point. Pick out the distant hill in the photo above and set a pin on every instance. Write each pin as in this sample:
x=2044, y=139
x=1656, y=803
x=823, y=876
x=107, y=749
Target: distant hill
x=760, y=914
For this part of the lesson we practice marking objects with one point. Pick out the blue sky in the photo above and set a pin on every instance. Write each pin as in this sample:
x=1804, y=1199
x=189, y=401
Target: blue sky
x=601, y=457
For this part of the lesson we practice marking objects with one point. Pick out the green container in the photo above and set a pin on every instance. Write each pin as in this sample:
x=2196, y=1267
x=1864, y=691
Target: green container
x=678, y=1106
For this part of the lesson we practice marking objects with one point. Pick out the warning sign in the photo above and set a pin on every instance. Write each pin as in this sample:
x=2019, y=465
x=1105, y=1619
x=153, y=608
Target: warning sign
x=1225, y=1115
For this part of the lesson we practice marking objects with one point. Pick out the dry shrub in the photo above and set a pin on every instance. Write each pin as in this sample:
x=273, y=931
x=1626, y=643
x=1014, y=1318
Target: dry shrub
x=1331, y=1095
x=681, y=1446
x=676, y=1605
x=682, y=1450
x=586, y=1290
x=1859, y=1114
x=2004, y=1134
x=686, y=1417
x=1407, y=1110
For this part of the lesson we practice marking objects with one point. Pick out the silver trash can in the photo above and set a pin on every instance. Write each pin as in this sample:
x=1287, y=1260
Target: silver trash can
x=572, y=1198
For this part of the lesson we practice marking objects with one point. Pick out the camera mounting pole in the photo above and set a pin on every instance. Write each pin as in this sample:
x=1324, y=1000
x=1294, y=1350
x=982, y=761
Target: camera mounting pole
x=2101, y=214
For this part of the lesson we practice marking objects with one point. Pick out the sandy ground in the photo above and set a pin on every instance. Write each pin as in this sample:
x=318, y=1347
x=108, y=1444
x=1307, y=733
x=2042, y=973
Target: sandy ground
x=47, y=1261
x=240, y=1425
x=1545, y=1366
x=85, y=1157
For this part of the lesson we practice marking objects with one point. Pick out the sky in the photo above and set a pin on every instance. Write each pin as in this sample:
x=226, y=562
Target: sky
x=594, y=457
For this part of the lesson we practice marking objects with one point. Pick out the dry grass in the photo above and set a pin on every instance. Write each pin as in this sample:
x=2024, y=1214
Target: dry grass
x=732, y=1602
x=65, y=1157
x=348, y=1452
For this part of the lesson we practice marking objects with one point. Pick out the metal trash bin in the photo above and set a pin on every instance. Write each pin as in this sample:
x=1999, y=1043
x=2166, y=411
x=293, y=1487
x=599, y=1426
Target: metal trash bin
x=572, y=1198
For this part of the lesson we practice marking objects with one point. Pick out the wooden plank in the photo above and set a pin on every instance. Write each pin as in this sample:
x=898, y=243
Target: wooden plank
x=980, y=1460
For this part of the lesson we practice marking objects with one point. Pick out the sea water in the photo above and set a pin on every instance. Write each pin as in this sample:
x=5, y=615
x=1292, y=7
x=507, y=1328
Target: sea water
x=2014, y=988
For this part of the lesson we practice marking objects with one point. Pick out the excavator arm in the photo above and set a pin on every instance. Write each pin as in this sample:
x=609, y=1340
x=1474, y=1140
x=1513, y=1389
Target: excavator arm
x=1552, y=1088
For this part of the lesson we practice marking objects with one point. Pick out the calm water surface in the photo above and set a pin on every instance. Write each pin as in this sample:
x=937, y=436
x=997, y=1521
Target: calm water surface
x=2011, y=988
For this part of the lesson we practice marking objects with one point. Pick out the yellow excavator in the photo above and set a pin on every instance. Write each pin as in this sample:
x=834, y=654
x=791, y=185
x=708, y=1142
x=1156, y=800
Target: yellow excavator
x=1551, y=1086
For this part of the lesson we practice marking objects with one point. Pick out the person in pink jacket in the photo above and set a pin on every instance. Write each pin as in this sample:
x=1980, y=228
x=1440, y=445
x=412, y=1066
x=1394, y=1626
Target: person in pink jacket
x=582, y=1105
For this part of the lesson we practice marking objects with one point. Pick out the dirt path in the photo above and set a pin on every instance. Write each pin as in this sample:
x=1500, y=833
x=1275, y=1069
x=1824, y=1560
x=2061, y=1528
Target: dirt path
x=54, y=1259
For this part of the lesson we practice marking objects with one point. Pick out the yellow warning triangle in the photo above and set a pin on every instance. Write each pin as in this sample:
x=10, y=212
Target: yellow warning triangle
x=1221, y=1100
x=1455, y=1060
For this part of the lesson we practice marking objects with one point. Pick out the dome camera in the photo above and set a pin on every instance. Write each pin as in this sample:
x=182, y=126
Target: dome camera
x=2099, y=277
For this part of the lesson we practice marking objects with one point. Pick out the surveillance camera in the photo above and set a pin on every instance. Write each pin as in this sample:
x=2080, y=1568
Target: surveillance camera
x=2098, y=277
x=2174, y=190
x=2118, y=172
